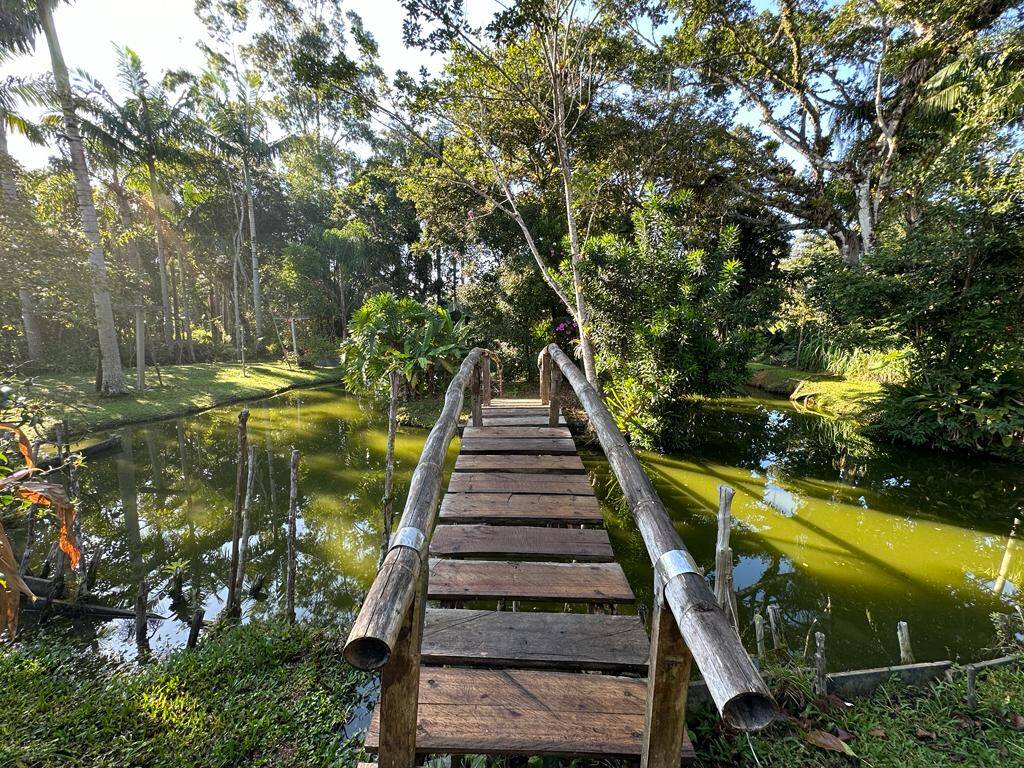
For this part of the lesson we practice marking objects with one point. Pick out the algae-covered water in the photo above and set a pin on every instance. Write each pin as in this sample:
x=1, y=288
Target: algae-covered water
x=830, y=527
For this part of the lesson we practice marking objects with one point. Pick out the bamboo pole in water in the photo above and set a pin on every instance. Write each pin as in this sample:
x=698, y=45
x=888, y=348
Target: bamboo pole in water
x=903, y=636
x=194, y=627
x=240, y=492
x=759, y=634
x=243, y=544
x=775, y=622
x=293, y=505
x=820, y=680
x=724, y=591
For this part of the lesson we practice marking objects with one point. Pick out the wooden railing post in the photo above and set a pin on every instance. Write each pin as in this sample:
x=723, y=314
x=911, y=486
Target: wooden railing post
x=668, y=681
x=486, y=361
x=400, y=688
x=474, y=388
x=556, y=380
x=544, y=363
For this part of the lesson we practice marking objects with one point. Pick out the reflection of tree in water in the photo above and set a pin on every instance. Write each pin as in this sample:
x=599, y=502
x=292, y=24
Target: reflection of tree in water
x=160, y=509
x=822, y=526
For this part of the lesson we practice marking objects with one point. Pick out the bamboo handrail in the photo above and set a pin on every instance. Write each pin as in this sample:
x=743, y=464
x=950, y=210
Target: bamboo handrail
x=735, y=685
x=376, y=629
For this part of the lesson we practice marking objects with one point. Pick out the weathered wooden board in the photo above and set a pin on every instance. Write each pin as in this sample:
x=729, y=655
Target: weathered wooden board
x=499, y=462
x=519, y=421
x=584, y=544
x=518, y=445
x=530, y=433
x=529, y=640
x=509, y=508
x=516, y=402
x=519, y=482
x=499, y=580
x=526, y=712
x=541, y=410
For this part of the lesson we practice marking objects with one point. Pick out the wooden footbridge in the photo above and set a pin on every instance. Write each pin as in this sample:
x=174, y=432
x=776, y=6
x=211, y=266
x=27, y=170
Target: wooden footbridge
x=495, y=626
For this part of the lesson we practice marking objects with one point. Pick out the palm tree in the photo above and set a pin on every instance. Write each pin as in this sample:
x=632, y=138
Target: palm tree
x=13, y=90
x=145, y=130
x=22, y=19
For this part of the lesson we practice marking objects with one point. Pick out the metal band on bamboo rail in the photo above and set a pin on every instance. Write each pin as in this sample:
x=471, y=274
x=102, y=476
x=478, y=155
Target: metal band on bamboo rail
x=412, y=538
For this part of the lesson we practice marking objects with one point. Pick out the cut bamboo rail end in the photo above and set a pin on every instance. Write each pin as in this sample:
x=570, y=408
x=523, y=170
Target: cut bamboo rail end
x=903, y=636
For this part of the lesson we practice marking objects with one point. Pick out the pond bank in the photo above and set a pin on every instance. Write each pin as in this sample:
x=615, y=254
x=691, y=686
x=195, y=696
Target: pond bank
x=186, y=390
x=821, y=392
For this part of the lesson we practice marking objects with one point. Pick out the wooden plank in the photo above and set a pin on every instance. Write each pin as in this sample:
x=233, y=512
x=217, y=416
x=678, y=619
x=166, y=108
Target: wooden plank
x=497, y=462
x=530, y=433
x=510, y=508
x=529, y=640
x=541, y=410
x=519, y=482
x=526, y=712
x=500, y=580
x=518, y=421
x=516, y=402
x=518, y=445
x=585, y=544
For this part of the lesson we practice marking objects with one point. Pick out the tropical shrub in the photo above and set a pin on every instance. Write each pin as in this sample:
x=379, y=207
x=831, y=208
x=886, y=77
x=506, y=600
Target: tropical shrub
x=669, y=318
x=388, y=334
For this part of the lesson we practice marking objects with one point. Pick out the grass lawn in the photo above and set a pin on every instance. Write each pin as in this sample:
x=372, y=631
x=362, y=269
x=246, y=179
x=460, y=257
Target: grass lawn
x=263, y=694
x=898, y=726
x=832, y=395
x=186, y=389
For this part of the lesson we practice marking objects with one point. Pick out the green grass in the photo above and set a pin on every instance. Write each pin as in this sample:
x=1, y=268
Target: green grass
x=898, y=726
x=822, y=392
x=186, y=389
x=264, y=694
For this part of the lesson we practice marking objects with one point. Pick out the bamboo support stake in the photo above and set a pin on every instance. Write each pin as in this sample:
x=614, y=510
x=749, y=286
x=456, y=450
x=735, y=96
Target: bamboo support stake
x=820, y=680
x=243, y=544
x=667, y=686
x=474, y=402
x=400, y=685
x=293, y=504
x=240, y=493
x=903, y=636
x=724, y=591
x=759, y=634
x=544, y=364
x=194, y=627
x=487, y=378
x=807, y=639
x=775, y=622
x=553, y=395
x=972, y=693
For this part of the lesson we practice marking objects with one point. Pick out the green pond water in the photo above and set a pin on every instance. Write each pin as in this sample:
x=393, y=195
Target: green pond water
x=833, y=529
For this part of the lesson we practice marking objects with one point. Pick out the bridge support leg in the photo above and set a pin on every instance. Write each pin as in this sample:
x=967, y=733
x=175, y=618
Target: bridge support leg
x=400, y=688
x=475, y=396
x=667, y=685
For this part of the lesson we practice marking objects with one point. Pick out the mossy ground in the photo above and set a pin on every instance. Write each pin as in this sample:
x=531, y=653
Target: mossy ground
x=822, y=392
x=263, y=694
x=185, y=389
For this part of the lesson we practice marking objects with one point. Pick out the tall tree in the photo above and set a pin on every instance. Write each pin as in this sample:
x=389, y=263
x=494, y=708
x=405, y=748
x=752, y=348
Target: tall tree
x=113, y=381
x=835, y=84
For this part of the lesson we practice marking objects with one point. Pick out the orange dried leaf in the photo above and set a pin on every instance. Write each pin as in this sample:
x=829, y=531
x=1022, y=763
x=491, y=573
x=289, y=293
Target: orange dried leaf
x=12, y=585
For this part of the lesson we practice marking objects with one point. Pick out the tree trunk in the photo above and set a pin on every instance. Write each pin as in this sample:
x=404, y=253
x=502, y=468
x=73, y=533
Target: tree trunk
x=865, y=217
x=161, y=255
x=135, y=260
x=257, y=299
x=186, y=315
x=33, y=327
x=238, y=310
x=113, y=374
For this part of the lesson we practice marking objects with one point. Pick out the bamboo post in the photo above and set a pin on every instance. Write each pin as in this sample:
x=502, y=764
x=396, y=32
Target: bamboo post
x=293, y=504
x=667, y=685
x=474, y=389
x=903, y=636
x=759, y=634
x=400, y=686
x=141, y=600
x=243, y=544
x=544, y=363
x=972, y=693
x=807, y=639
x=295, y=340
x=240, y=494
x=194, y=627
x=724, y=591
x=775, y=622
x=820, y=680
x=553, y=398
x=487, y=378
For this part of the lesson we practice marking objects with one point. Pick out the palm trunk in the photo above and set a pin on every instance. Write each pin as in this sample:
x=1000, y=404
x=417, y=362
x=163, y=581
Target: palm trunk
x=161, y=256
x=113, y=374
x=257, y=299
x=135, y=260
x=238, y=310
